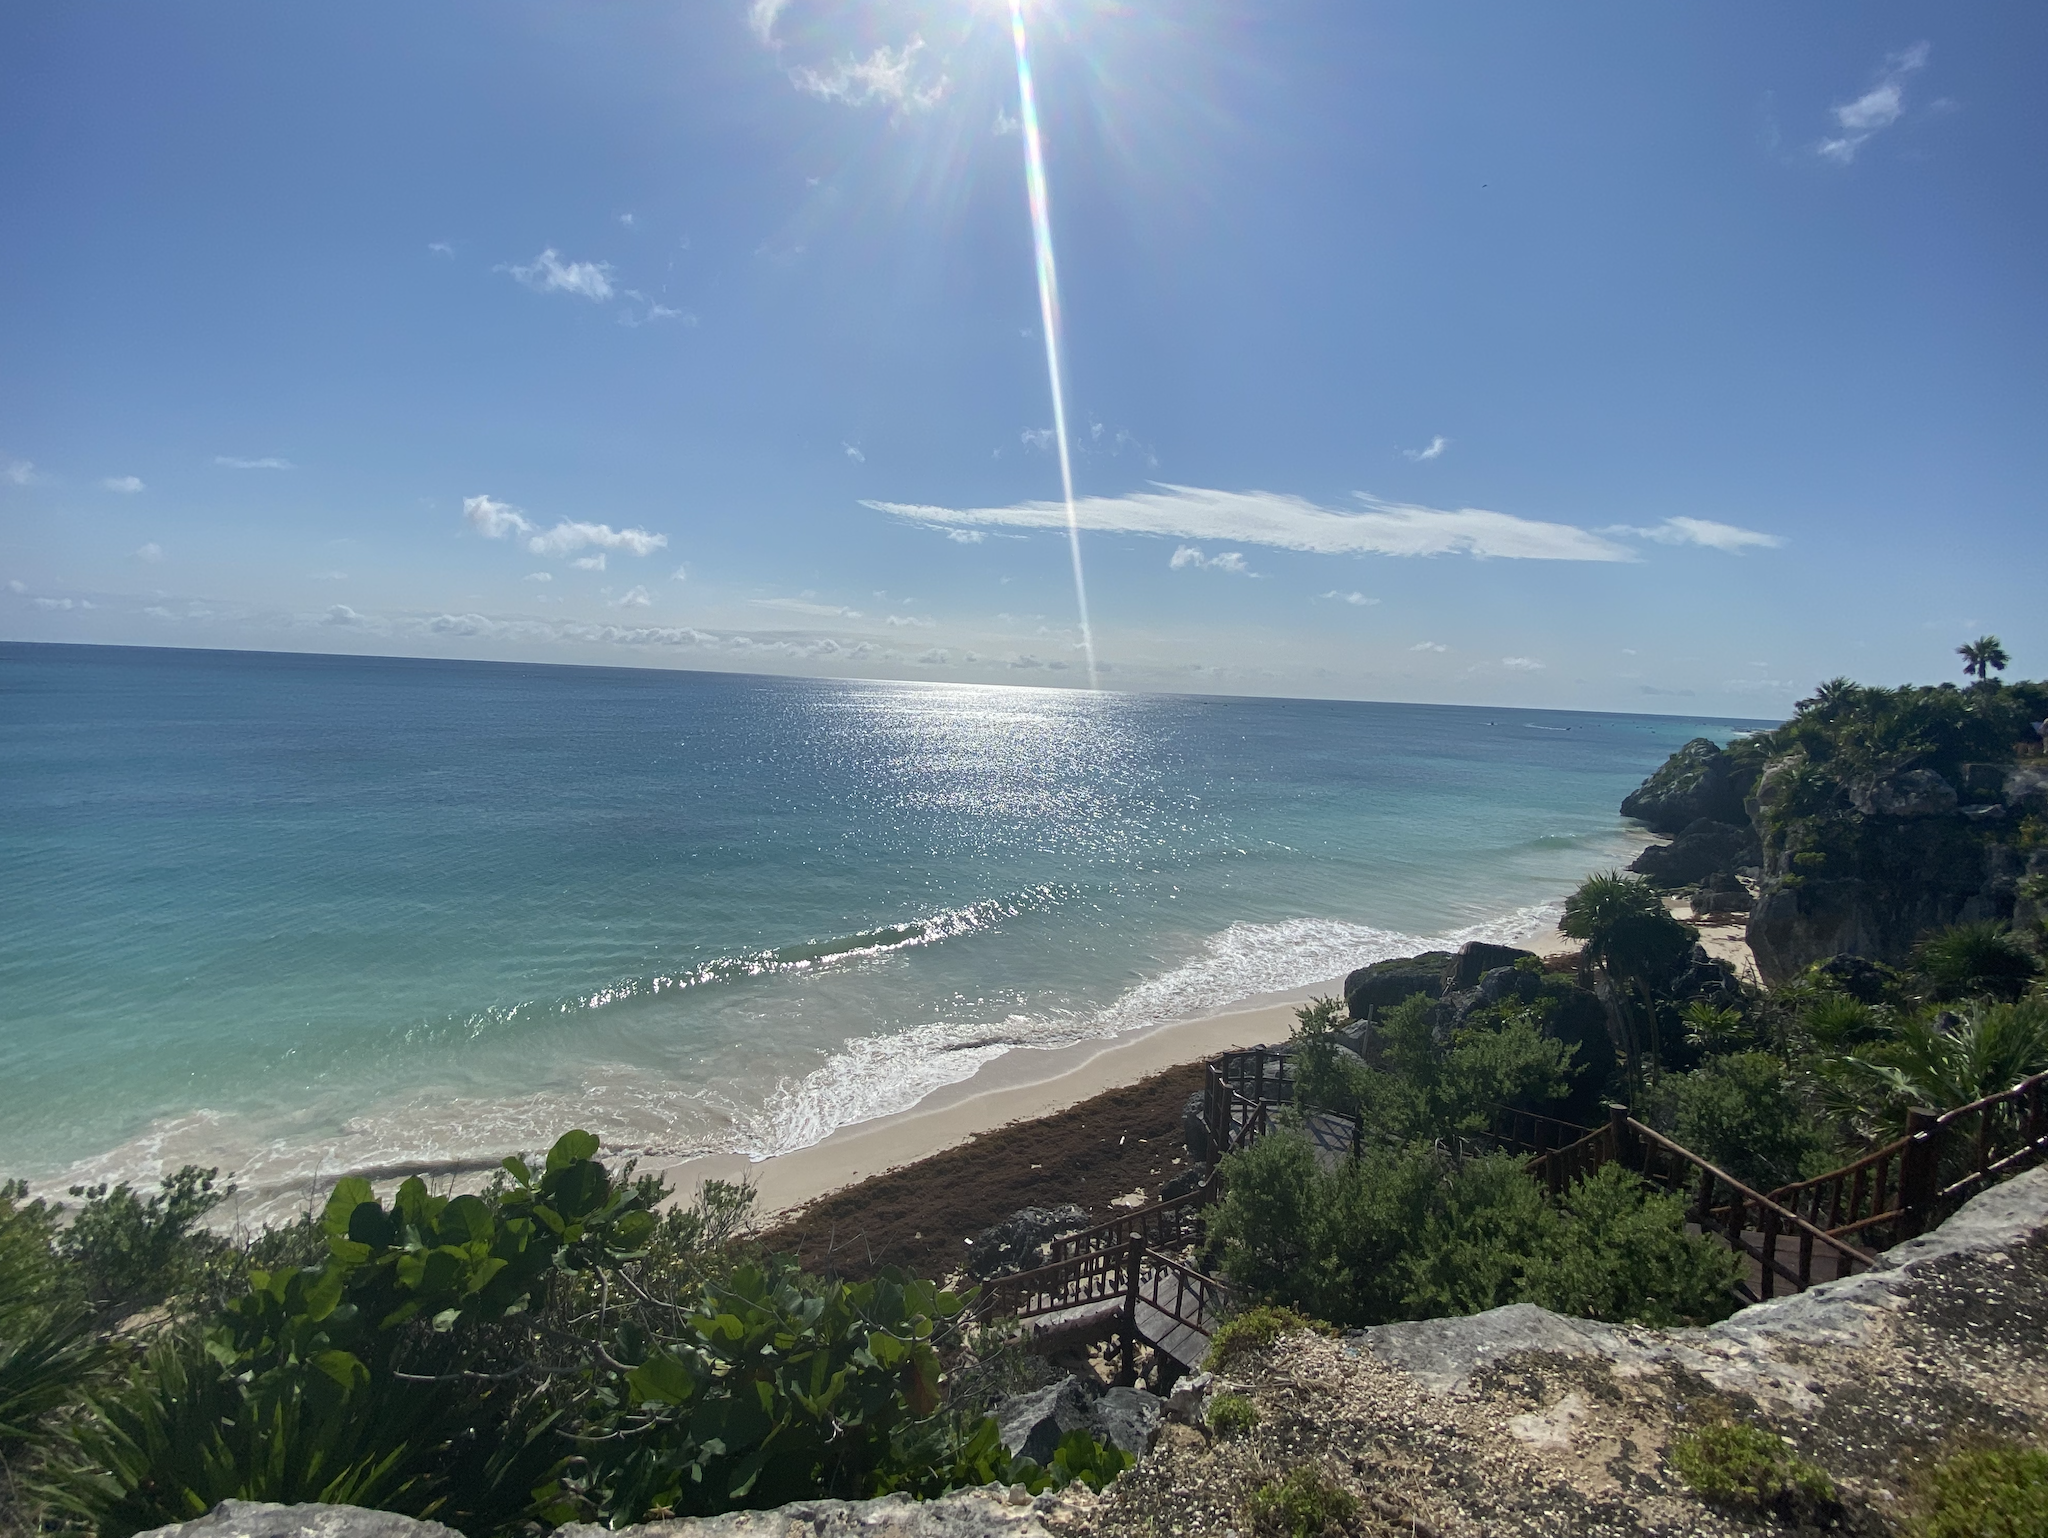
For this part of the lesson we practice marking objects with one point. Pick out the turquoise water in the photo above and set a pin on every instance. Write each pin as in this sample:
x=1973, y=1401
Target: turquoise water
x=294, y=915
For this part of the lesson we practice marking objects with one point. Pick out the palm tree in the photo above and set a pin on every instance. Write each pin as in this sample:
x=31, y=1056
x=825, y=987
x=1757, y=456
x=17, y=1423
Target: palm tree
x=1983, y=657
x=1827, y=695
x=1632, y=937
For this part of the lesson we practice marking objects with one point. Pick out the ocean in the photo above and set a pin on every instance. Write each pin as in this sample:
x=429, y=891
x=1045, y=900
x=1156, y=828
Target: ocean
x=295, y=915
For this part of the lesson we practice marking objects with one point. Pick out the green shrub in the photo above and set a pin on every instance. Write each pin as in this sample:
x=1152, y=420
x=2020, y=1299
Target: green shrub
x=1622, y=1253
x=1992, y=1492
x=1095, y=1464
x=1232, y=1415
x=1253, y=1330
x=1744, y=1114
x=129, y=1252
x=1305, y=1503
x=1749, y=1469
x=1983, y=960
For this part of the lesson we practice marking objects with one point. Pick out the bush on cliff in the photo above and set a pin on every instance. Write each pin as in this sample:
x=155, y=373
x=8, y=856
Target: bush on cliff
x=1747, y=1113
x=1410, y=1232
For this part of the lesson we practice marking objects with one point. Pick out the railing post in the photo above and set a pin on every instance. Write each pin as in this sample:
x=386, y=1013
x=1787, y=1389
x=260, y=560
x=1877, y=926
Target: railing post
x=1618, y=1139
x=1919, y=1170
x=1134, y=1257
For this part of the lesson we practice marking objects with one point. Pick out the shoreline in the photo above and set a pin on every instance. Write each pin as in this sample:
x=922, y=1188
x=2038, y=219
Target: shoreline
x=1024, y=1085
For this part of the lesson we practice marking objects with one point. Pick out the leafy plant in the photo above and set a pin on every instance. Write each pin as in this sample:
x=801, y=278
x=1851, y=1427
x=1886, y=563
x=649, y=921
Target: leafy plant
x=1253, y=1330
x=1232, y=1415
x=1748, y=1468
x=1983, y=657
x=1304, y=1503
x=1988, y=1492
x=1622, y=1252
x=1632, y=937
x=130, y=1251
x=1942, y=1061
x=1745, y=1113
x=1976, y=960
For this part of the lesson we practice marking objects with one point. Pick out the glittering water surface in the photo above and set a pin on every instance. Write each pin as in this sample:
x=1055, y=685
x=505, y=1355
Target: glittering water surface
x=294, y=915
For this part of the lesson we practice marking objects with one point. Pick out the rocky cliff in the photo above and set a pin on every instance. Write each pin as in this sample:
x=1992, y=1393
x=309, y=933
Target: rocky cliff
x=1871, y=819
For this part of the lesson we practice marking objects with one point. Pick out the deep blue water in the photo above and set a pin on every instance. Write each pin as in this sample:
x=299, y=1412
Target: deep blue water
x=292, y=913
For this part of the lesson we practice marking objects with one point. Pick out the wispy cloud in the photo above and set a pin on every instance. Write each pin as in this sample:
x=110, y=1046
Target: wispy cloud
x=1004, y=125
x=341, y=614
x=1286, y=522
x=63, y=603
x=1429, y=646
x=549, y=274
x=21, y=472
x=1434, y=449
x=540, y=576
x=1701, y=531
x=806, y=606
x=127, y=485
x=853, y=453
x=1875, y=110
x=1040, y=439
x=761, y=16
x=440, y=248
x=888, y=75
x=1357, y=600
x=501, y=520
x=150, y=554
x=233, y=462
x=680, y=574
x=633, y=598
x=1228, y=560
x=589, y=562
x=1522, y=664
x=909, y=621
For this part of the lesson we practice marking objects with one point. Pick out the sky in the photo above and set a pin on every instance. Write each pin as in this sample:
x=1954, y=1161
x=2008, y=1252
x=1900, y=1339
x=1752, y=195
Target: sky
x=1603, y=356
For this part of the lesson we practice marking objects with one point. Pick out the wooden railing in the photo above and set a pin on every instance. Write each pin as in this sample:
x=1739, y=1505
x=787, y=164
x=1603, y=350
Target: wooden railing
x=1526, y=1132
x=1750, y=1223
x=1167, y=1225
x=1905, y=1187
x=1102, y=1288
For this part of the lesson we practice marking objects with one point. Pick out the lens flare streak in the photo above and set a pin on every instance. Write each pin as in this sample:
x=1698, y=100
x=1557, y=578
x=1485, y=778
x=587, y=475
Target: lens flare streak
x=1049, y=311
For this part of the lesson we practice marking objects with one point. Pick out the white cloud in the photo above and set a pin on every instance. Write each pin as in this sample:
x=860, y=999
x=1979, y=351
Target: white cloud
x=1357, y=600
x=21, y=472
x=1435, y=450
x=496, y=520
x=936, y=657
x=1004, y=125
x=1229, y=560
x=628, y=220
x=633, y=598
x=1876, y=109
x=16, y=585
x=886, y=75
x=63, y=603
x=549, y=274
x=910, y=621
x=151, y=553
x=1429, y=646
x=854, y=454
x=1286, y=522
x=127, y=485
x=440, y=248
x=589, y=562
x=761, y=16
x=805, y=606
x=964, y=536
x=680, y=574
x=1701, y=531
x=540, y=576
x=1039, y=438
x=1522, y=664
x=341, y=614
x=229, y=461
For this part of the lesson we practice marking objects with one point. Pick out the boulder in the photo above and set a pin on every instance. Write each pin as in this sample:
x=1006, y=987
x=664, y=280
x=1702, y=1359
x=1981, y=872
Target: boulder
x=990, y=1512
x=1186, y=1183
x=1475, y=959
x=265, y=1519
x=1013, y=1244
x=1698, y=781
x=1911, y=793
x=1386, y=983
x=1701, y=849
x=2026, y=785
x=1861, y=978
x=1722, y=892
x=1034, y=1424
x=1194, y=1127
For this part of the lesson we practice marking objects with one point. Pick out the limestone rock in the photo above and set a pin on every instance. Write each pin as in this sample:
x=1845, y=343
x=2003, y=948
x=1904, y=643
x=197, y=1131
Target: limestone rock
x=1475, y=959
x=1034, y=1424
x=1913, y=793
x=991, y=1512
x=1698, y=781
x=1721, y=892
x=1386, y=983
x=264, y=1519
x=1701, y=849
x=1013, y=1244
x=2026, y=785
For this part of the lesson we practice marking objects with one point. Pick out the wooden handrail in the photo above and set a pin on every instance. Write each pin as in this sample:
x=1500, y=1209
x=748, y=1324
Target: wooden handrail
x=1792, y=1220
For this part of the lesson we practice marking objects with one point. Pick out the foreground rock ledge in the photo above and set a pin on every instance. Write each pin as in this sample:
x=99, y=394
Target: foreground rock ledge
x=1519, y=1421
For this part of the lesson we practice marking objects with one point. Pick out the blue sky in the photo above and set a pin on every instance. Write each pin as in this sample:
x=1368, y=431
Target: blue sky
x=1605, y=355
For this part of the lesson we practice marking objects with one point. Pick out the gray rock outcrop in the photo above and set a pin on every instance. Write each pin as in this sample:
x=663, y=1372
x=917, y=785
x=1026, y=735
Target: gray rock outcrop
x=1034, y=1424
x=1722, y=892
x=1913, y=793
x=1475, y=959
x=1386, y=983
x=265, y=1519
x=1702, y=849
x=1013, y=1245
x=1699, y=781
x=986, y=1513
